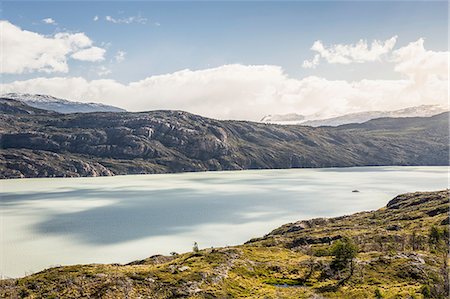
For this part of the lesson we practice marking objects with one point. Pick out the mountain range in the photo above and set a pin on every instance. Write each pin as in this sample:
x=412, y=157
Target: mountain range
x=42, y=143
x=359, y=117
x=48, y=102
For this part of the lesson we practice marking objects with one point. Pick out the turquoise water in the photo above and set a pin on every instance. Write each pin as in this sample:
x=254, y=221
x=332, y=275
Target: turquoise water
x=61, y=221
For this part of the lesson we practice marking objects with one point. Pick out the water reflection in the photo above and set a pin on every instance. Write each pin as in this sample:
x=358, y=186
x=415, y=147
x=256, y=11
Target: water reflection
x=150, y=213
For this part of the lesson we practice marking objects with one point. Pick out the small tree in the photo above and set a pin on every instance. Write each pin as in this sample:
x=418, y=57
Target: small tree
x=344, y=251
x=434, y=235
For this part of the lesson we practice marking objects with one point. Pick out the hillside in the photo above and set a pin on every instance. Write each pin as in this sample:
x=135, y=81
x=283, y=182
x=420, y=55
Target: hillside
x=399, y=251
x=40, y=143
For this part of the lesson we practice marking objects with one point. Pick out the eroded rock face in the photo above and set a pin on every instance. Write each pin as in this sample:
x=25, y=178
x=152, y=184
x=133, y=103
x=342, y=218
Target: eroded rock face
x=176, y=141
x=47, y=164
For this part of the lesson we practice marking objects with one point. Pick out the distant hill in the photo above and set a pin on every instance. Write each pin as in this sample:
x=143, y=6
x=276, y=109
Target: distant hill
x=47, y=102
x=360, y=117
x=399, y=251
x=40, y=143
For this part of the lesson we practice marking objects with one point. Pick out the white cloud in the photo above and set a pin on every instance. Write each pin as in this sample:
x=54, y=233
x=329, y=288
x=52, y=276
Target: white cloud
x=353, y=53
x=103, y=71
x=95, y=19
x=120, y=56
x=49, y=21
x=127, y=20
x=311, y=64
x=243, y=92
x=74, y=41
x=231, y=91
x=413, y=61
x=420, y=64
x=90, y=54
x=26, y=51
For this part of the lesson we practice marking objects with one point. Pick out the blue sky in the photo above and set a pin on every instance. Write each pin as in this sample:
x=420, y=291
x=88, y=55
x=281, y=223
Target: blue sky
x=166, y=37
x=199, y=35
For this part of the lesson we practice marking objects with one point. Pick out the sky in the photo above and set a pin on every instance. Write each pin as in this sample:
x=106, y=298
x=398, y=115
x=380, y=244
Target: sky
x=229, y=60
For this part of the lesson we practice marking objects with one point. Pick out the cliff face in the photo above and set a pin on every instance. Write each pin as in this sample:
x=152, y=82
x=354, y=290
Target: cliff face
x=39, y=143
x=401, y=252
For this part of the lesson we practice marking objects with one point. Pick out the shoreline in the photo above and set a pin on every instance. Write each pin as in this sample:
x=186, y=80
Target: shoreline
x=224, y=171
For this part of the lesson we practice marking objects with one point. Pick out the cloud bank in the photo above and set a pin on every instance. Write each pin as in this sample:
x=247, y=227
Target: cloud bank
x=235, y=91
x=243, y=92
x=27, y=51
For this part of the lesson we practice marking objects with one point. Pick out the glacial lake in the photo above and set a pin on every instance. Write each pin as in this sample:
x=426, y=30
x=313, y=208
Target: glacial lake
x=63, y=221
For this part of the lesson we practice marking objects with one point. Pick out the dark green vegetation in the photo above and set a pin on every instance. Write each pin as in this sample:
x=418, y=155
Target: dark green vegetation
x=399, y=251
x=39, y=143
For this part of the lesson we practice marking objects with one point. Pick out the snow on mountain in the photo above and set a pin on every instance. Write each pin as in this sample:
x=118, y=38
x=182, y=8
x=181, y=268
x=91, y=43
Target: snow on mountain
x=359, y=117
x=284, y=118
x=47, y=102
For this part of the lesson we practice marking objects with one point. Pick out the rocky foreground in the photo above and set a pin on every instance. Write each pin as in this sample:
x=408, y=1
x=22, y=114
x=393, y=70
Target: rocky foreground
x=42, y=143
x=399, y=251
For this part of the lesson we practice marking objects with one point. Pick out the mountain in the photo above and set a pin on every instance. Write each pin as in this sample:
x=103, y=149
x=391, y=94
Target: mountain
x=399, y=251
x=47, y=102
x=359, y=117
x=49, y=144
x=13, y=107
x=418, y=111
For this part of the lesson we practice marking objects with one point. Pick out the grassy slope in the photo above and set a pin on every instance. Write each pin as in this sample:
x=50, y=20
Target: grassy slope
x=394, y=257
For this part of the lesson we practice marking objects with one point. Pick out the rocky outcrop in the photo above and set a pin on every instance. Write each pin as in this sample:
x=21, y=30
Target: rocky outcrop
x=388, y=225
x=410, y=200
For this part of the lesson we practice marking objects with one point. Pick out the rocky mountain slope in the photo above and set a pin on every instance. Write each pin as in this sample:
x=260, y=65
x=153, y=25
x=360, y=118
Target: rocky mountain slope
x=399, y=251
x=360, y=117
x=51, y=103
x=40, y=143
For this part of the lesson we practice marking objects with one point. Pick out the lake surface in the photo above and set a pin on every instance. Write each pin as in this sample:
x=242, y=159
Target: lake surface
x=62, y=221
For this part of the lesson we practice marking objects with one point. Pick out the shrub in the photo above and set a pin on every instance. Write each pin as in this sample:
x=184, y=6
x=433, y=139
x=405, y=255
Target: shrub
x=426, y=292
x=344, y=251
x=434, y=235
x=378, y=294
x=321, y=252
